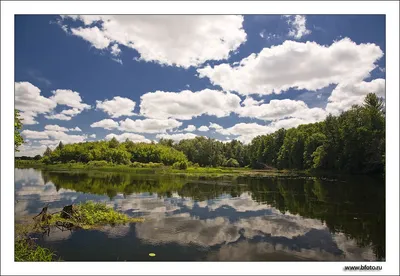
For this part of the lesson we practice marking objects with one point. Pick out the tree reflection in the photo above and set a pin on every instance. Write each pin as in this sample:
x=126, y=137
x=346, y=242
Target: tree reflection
x=355, y=207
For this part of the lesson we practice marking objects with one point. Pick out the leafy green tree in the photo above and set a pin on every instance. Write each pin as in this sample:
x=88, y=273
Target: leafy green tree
x=113, y=143
x=18, y=140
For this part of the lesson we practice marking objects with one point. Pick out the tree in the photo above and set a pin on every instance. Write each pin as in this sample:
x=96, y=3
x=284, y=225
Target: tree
x=372, y=101
x=60, y=145
x=47, y=152
x=113, y=143
x=18, y=140
x=37, y=157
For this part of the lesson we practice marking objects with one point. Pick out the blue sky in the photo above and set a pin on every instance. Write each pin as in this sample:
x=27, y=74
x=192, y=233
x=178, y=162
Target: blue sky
x=242, y=76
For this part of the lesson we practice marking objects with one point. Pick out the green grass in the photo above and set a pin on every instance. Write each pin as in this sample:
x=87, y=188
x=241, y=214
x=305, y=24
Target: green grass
x=90, y=214
x=28, y=251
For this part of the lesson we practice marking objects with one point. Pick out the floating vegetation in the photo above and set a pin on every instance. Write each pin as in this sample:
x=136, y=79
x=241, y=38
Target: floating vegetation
x=86, y=215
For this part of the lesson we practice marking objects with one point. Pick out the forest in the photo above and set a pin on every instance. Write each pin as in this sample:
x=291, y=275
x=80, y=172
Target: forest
x=353, y=142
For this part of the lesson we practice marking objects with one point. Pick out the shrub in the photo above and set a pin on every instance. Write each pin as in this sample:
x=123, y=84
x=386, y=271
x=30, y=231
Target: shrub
x=46, y=160
x=101, y=163
x=231, y=162
x=182, y=165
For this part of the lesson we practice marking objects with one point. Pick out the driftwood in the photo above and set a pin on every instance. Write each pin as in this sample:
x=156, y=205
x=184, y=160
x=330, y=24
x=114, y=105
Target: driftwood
x=68, y=212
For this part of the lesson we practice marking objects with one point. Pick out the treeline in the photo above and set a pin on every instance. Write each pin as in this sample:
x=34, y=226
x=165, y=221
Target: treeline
x=353, y=142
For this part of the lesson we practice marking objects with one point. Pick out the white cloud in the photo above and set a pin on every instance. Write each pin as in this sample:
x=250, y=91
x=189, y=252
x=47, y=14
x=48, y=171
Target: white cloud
x=117, y=107
x=186, y=104
x=59, y=116
x=246, y=131
x=203, y=128
x=298, y=26
x=54, y=134
x=148, y=125
x=55, y=128
x=106, y=124
x=75, y=129
x=176, y=137
x=25, y=150
x=29, y=101
x=92, y=136
x=190, y=128
x=48, y=142
x=115, y=50
x=32, y=134
x=136, y=138
x=280, y=109
x=71, y=112
x=346, y=95
x=296, y=65
x=215, y=126
x=68, y=98
x=184, y=40
x=94, y=35
x=65, y=138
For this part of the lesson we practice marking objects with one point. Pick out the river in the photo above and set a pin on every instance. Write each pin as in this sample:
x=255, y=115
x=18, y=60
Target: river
x=213, y=219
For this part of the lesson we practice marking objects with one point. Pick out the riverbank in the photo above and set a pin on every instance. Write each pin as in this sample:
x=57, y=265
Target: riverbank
x=151, y=168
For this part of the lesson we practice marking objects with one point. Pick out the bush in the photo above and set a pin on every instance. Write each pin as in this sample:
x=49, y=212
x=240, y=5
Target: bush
x=180, y=165
x=46, y=160
x=231, y=162
x=101, y=163
x=146, y=165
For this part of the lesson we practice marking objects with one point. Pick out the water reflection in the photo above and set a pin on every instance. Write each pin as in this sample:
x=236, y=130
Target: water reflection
x=237, y=219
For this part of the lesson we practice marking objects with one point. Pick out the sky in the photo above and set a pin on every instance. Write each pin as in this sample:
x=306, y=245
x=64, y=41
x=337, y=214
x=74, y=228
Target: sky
x=145, y=77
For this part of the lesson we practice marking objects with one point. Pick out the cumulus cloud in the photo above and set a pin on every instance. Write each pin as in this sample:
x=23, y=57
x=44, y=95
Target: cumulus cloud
x=51, y=136
x=298, y=27
x=94, y=35
x=215, y=126
x=280, y=109
x=186, y=104
x=176, y=137
x=55, y=128
x=59, y=116
x=346, y=95
x=184, y=40
x=190, y=128
x=148, y=125
x=136, y=138
x=92, y=135
x=115, y=50
x=68, y=98
x=296, y=65
x=29, y=101
x=75, y=129
x=203, y=128
x=117, y=107
x=106, y=124
x=32, y=134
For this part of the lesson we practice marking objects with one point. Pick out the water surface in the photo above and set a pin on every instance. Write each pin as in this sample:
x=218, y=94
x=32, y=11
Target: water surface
x=219, y=219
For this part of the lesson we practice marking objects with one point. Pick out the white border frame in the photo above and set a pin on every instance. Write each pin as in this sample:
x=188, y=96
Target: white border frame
x=8, y=9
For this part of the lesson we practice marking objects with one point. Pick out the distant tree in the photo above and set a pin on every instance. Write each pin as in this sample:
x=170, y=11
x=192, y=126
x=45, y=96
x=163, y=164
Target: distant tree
x=18, y=140
x=113, y=143
x=47, y=152
x=60, y=145
x=37, y=157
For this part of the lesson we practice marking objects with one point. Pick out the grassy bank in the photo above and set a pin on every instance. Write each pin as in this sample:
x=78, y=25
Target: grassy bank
x=142, y=168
